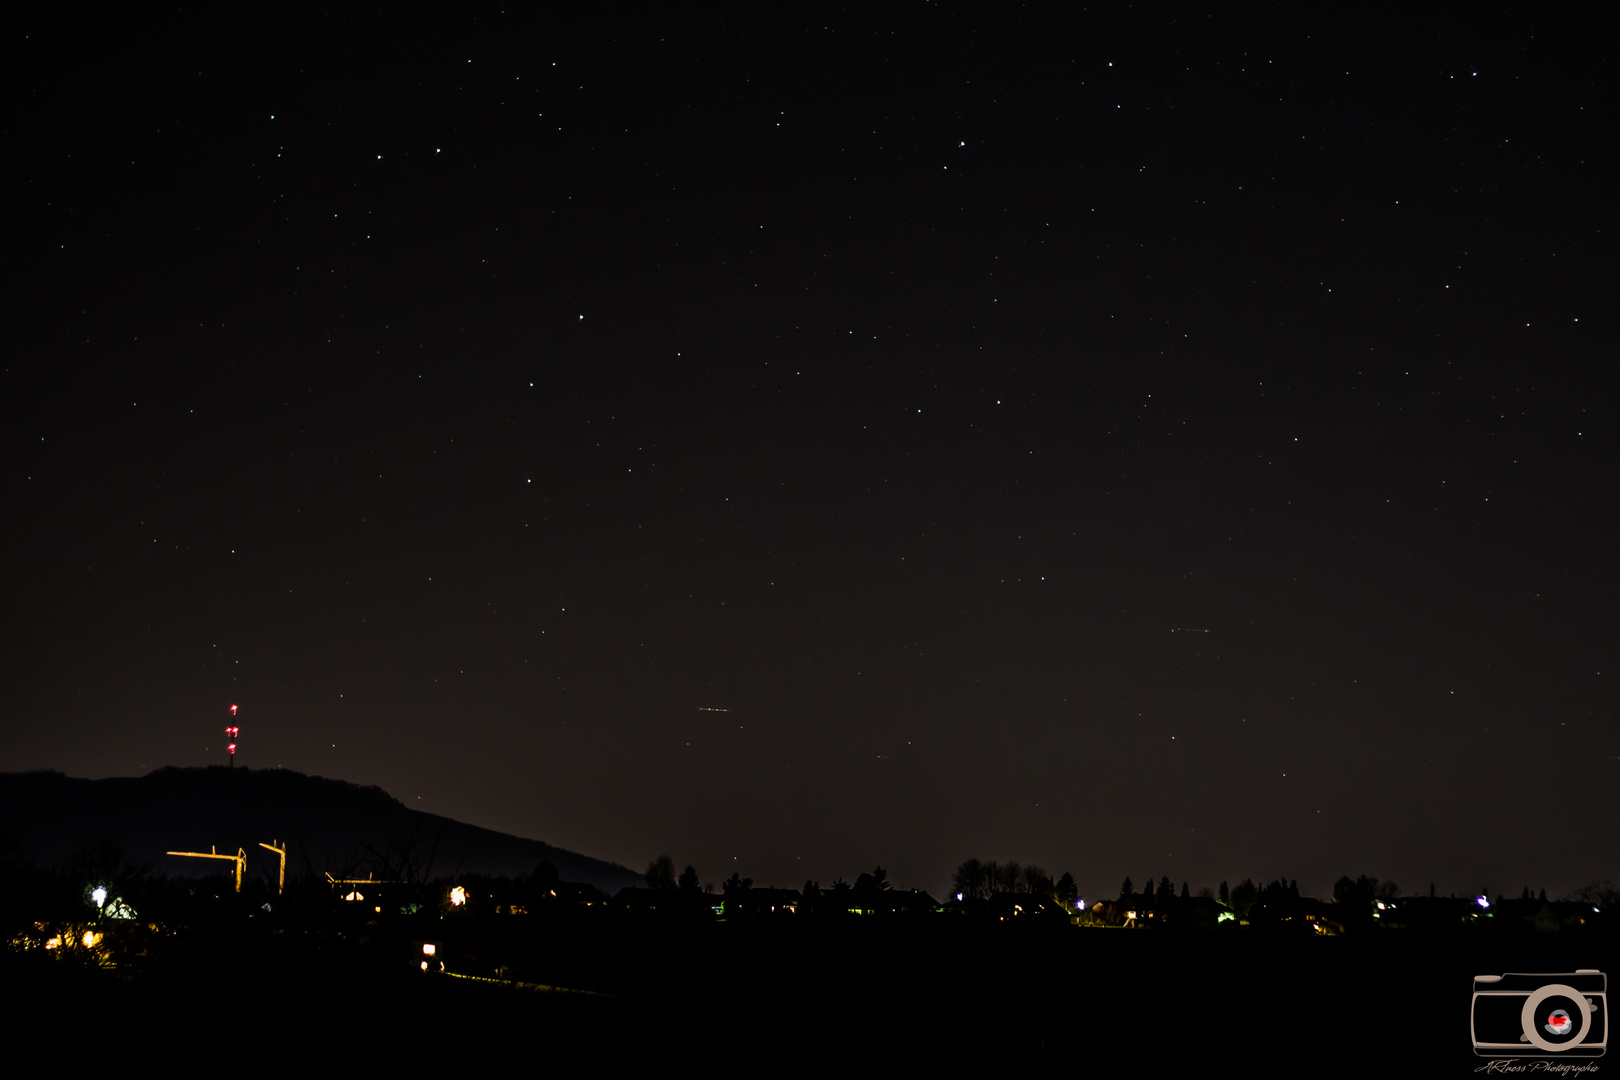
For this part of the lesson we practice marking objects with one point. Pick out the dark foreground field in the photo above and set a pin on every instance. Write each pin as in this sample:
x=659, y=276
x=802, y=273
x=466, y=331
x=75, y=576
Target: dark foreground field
x=752, y=997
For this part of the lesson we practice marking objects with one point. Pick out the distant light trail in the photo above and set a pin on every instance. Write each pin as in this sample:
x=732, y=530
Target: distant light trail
x=705, y=708
x=1186, y=630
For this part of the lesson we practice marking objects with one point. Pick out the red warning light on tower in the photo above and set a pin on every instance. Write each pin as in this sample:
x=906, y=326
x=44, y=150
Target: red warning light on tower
x=233, y=710
x=231, y=734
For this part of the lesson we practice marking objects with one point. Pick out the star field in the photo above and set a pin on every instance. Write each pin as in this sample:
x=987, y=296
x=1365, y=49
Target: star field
x=1127, y=443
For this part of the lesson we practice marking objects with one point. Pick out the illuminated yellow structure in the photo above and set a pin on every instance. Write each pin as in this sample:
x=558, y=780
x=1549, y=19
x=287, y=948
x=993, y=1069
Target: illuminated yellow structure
x=281, y=875
x=367, y=880
x=240, y=859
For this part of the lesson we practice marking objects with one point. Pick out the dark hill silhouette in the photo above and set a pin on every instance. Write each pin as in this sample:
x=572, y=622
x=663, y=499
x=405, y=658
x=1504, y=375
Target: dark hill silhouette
x=327, y=825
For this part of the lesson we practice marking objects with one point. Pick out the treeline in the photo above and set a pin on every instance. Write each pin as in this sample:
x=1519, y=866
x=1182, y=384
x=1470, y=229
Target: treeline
x=870, y=892
x=975, y=880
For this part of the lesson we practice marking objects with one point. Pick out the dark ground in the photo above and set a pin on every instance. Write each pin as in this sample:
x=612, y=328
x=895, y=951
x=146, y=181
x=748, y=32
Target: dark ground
x=829, y=995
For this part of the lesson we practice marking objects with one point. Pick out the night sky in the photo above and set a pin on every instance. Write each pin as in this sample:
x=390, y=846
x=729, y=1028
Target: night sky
x=1132, y=443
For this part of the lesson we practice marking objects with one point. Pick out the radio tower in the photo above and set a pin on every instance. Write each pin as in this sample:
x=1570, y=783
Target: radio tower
x=230, y=738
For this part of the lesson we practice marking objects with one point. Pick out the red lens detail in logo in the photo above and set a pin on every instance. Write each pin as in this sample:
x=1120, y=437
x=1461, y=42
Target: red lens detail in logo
x=1558, y=1023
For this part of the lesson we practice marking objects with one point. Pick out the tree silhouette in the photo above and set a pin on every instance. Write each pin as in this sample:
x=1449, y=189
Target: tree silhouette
x=688, y=883
x=1244, y=897
x=409, y=859
x=660, y=874
x=969, y=880
x=103, y=866
x=1597, y=893
x=1067, y=891
x=876, y=881
x=1358, y=894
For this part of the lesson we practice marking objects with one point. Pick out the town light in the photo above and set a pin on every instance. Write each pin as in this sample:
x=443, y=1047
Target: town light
x=458, y=896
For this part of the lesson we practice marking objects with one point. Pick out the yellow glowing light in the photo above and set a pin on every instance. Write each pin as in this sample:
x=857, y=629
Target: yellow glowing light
x=424, y=965
x=458, y=896
x=91, y=939
x=428, y=948
x=240, y=859
x=281, y=876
